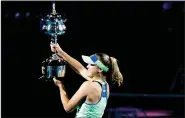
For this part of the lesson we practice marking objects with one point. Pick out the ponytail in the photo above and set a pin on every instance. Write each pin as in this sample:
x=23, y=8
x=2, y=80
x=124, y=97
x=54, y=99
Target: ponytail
x=115, y=73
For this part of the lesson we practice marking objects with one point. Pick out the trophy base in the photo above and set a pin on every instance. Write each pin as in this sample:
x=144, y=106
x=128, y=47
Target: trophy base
x=53, y=67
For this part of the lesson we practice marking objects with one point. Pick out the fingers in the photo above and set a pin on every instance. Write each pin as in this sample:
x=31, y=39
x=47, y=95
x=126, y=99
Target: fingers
x=53, y=47
x=58, y=83
x=54, y=79
x=51, y=43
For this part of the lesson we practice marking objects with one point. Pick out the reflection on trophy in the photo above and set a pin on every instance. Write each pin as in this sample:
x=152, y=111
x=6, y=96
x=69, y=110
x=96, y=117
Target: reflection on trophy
x=53, y=25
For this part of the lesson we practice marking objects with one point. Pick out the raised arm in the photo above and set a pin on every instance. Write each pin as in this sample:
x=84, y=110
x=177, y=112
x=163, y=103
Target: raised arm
x=76, y=65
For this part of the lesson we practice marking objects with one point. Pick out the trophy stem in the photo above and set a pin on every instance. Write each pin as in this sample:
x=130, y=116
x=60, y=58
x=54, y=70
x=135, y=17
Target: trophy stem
x=54, y=40
x=53, y=9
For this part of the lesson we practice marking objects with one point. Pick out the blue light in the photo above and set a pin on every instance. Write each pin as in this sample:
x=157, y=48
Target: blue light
x=27, y=14
x=17, y=15
x=166, y=6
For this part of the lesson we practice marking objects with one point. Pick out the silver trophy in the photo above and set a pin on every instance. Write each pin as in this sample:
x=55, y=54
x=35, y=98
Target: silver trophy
x=53, y=25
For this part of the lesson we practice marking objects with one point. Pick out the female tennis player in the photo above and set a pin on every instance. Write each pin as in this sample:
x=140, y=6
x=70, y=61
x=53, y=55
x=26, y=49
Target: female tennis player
x=100, y=69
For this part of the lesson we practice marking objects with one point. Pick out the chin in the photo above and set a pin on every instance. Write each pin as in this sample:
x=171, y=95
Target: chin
x=89, y=75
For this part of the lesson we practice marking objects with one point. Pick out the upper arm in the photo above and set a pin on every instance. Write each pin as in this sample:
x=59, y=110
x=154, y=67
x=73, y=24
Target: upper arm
x=78, y=96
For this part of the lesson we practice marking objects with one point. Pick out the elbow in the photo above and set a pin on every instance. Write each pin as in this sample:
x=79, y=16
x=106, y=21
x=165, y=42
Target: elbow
x=68, y=110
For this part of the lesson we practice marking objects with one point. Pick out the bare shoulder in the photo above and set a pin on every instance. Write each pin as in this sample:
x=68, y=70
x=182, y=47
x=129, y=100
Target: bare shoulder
x=86, y=83
x=90, y=84
x=84, y=88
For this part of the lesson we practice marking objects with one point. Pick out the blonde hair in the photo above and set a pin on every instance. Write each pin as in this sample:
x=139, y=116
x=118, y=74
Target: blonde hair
x=114, y=73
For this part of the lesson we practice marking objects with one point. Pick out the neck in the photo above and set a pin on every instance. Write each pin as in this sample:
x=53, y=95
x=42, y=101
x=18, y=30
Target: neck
x=98, y=77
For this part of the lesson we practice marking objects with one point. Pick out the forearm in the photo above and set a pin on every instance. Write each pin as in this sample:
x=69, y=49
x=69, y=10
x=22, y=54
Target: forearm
x=73, y=62
x=64, y=98
x=76, y=65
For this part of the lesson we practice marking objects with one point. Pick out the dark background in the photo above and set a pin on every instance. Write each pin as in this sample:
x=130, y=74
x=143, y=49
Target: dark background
x=147, y=40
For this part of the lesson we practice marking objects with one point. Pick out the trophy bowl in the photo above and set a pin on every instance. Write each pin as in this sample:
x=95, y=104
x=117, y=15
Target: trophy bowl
x=53, y=25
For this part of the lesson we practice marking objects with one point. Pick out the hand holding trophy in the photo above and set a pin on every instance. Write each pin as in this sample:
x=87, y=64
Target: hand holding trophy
x=53, y=25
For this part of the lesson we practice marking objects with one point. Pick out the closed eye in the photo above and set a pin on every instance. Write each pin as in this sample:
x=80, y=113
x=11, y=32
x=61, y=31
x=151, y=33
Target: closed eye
x=93, y=64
